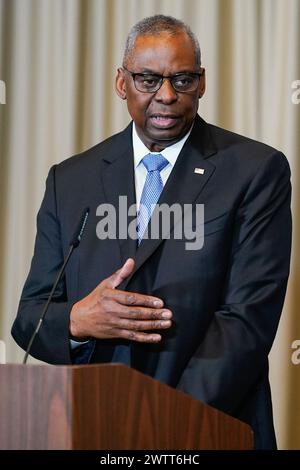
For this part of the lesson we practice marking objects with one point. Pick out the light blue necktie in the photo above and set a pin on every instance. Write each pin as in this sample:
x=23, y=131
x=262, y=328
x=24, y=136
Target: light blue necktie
x=154, y=163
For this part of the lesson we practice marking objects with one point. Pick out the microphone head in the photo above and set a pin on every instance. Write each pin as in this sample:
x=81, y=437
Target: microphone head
x=76, y=239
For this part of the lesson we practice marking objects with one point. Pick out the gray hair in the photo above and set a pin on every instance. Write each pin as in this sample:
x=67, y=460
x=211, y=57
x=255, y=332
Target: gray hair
x=155, y=26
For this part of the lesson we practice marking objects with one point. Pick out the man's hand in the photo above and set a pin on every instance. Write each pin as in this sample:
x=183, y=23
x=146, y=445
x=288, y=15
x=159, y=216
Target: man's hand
x=111, y=313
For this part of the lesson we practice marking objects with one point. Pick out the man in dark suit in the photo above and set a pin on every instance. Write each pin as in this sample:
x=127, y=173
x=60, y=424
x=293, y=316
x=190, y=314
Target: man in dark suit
x=201, y=320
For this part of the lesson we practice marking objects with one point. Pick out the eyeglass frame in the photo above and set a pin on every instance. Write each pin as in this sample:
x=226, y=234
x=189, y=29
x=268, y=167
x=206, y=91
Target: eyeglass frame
x=162, y=78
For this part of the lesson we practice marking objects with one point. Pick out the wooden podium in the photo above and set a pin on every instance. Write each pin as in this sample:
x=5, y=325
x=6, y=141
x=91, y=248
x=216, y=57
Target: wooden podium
x=107, y=407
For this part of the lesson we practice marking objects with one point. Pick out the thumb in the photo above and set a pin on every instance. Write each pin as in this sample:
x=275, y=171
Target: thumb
x=119, y=276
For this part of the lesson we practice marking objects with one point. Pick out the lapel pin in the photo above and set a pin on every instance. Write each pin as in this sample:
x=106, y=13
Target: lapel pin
x=199, y=171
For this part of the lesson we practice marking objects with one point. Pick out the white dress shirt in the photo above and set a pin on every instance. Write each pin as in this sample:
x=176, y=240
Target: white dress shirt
x=140, y=151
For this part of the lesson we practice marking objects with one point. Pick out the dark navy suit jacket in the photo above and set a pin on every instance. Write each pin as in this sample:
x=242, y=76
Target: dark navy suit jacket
x=226, y=298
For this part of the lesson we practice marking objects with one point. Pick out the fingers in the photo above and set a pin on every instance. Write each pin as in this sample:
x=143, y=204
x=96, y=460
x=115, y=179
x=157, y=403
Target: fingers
x=129, y=323
x=138, y=336
x=119, y=276
x=133, y=298
x=128, y=315
x=123, y=297
x=143, y=313
x=143, y=325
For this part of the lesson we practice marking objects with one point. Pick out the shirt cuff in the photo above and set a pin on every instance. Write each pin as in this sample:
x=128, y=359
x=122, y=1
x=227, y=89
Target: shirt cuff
x=76, y=344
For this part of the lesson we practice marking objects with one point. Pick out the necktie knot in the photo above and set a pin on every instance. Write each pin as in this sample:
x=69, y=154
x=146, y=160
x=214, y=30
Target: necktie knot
x=154, y=162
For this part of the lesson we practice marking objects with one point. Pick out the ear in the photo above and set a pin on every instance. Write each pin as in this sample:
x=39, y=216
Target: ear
x=202, y=84
x=120, y=84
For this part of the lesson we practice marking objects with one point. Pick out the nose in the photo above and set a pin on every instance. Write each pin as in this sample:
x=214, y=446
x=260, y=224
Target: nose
x=166, y=94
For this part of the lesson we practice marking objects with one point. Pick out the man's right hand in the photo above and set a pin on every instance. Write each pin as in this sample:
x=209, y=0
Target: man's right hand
x=109, y=313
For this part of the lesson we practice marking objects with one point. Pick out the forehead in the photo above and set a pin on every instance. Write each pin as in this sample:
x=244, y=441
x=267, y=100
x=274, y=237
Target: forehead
x=163, y=53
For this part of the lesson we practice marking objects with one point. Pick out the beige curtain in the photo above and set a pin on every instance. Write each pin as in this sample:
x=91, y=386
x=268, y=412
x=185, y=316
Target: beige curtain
x=58, y=60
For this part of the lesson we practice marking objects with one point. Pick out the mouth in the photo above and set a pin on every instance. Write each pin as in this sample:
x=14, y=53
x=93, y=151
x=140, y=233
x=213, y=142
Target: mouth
x=164, y=121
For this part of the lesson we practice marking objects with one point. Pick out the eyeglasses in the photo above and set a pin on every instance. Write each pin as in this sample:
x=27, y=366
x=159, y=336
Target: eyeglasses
x=151, y=82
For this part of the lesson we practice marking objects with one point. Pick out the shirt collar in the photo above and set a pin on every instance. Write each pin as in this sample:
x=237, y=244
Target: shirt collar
x=170, y=153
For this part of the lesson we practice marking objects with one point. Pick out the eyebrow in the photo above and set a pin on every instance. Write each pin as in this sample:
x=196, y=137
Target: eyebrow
x=152, y=72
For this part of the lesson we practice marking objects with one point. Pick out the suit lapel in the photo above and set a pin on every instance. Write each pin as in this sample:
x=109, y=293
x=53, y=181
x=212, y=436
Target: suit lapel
x=118, y=180
x=184, y=185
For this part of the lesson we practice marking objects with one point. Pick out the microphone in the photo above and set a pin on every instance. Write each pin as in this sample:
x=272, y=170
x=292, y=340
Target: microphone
x=76, y=239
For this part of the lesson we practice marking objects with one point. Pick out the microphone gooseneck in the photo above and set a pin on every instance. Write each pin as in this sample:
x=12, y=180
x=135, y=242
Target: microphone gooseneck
x=76, y=239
